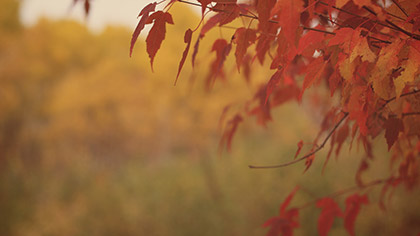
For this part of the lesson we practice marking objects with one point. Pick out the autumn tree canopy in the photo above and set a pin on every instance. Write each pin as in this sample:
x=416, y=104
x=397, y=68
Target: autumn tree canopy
x=366, y=52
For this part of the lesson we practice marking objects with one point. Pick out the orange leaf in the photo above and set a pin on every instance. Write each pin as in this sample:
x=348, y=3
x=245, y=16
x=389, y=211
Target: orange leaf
x=187, y=40
x=157, y=32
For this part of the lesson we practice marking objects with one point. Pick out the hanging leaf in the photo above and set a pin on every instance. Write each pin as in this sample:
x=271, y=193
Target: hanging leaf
x=353, y=205
x=144, y=16
x=393, y=127
x=243, y=39
x=187, y=40
x=157, y=32
x=329, y=211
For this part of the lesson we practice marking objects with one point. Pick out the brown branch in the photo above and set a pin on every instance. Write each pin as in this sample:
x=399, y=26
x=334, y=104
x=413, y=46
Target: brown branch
x=309, y=154
x=319, y=30
x=402, y=95
x=405, y=114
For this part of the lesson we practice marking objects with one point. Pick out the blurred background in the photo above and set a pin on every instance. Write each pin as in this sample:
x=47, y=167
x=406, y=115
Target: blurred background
x=93, y=143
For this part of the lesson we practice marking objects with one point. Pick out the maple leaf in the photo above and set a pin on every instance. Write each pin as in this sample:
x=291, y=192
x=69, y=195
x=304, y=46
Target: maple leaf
x=314, y=71
x=264, y=41
x=364, y=165
x=187, y=40
x=345, y=67
x=227, y=15
x=263, y=11
x=222, y=49
x=393, y=126
x=353, y=205
x=272, y=83
x=204, y=4
x=329, y=211
x=157, y=32
x=362, y=49
x=341, y=3
x=288, y=14
x=387, y=61
x=144, y=13
x=410, y=67
x=244, y=38
x=286, y=221
x=230, y=130
x=342, y=36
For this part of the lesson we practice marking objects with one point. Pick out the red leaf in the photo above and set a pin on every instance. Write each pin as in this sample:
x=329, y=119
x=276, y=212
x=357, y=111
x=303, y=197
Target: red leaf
x=314, y=72
x=187, y=40
x=194, y=55
x=204, y=4
x=227, y=15
x=308, y=162
x=230, y=130
x=243, y=38
x=330, y=210
x=222, y=49
x=342, y=135
x=263, y=10
x=353, y=204
x=288, y=13
x=341, y=36
x=300, y=145
x=272, y=83
x=264, y=41
x=287, y=201
x=393, y=126
x=157, y=33
x=286, y=221
x=145, y=14
x=364, y=165
x=87, y=6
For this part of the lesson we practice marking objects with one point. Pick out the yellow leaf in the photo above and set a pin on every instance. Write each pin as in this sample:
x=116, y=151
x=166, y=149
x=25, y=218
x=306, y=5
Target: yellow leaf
x=346, y=69
x=362, y=49
x=410, y=69
x=341, y=3
x=387, y=61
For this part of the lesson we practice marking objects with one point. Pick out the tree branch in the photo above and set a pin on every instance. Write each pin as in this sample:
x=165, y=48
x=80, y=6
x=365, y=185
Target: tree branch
x=402, y=95
x=346, y=114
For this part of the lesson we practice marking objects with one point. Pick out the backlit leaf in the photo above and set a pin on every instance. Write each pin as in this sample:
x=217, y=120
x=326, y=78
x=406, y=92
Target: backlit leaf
x=157, y=32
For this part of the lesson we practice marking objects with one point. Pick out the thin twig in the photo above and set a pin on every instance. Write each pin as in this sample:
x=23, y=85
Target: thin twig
x=319, y=30
x=402, y=95
x=307, y=155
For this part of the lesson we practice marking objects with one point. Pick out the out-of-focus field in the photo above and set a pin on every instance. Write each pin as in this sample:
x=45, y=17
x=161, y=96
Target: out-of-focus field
x=93, y=143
